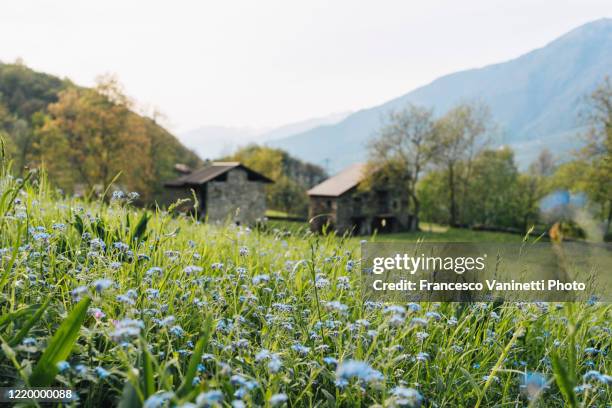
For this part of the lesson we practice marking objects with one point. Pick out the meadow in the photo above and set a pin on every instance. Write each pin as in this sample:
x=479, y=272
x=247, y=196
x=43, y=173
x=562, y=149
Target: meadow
x=152, y=309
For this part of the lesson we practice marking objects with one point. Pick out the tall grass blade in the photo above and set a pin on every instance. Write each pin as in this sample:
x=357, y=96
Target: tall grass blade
x=25, y=329
x=196, y=358
x=22, y=313
x=141, y=227
x=59, y=346
x=129, y=397
x=147, y=368
x=564, y=382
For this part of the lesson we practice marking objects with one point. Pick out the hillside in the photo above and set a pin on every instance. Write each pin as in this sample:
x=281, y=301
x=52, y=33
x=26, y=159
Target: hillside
x=25, y=98
x=535, y=99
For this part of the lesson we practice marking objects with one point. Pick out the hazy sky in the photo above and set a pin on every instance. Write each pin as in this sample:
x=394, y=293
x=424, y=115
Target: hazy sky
x=265, y=63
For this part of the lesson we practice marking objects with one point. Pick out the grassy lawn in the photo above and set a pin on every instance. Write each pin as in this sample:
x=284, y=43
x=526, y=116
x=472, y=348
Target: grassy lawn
x=139, y=309
x=436, y=233
x=428, y=233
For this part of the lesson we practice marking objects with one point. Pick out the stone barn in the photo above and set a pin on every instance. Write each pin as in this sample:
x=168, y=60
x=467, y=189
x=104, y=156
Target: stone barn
x=341, y=204
x=225, y=191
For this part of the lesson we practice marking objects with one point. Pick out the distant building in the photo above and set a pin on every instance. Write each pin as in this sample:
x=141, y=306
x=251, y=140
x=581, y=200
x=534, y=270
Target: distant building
x=339, y=203
x=225, y=191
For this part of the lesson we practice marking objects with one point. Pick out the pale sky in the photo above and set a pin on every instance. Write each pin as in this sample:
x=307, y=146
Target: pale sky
x=267, y=63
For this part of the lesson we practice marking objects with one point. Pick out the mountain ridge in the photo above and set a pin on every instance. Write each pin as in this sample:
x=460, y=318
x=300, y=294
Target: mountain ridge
x=214, y=141
x=534, y=98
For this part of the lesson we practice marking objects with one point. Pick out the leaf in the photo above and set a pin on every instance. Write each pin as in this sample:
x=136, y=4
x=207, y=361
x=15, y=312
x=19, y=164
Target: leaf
x=16, y=315
x=25, y=329
x=196, y=358
x=60, y=346
x=331, y=400
x=14, y=255
x=78, y=224
x=472, y=381
x=147, y=363
x=564, y=381
x=141, y=227
x=129, y=397
x=100, y=230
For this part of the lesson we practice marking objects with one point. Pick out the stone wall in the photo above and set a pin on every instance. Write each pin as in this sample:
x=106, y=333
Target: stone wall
x=236, y=199
x=360, y=212
x=322, y=210
x=172, y=195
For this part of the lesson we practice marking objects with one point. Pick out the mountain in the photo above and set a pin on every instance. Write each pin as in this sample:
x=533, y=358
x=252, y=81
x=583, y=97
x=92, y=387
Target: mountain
x=303, y=126
x=25, y=98
x=217, y=141
x=535, y=100
x=212, y=142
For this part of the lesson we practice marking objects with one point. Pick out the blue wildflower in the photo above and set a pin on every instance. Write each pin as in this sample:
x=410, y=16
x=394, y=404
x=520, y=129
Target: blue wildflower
x=63, y=366
x=300, y=349
x=330, y=361
x=29, y=341
x=357, y=369
x=407, y=397
x=278, y=399
x=260, y=278
x=188, y=270
x=81, y=369
x=118, y=195
x=97, y=244
x=77, y=293
x=121, y=246
x=209, y=398
x=533, y=384
x=101, y=373
x=157, y=400
x=177, y=331
x=127, y=328
x=102, y=284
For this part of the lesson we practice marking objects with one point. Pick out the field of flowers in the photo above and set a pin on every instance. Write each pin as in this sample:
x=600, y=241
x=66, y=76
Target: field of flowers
x=138, y=308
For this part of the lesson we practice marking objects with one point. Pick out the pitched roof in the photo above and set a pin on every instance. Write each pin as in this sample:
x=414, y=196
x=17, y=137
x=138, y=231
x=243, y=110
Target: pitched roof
x=340, y=183
x=212, y=171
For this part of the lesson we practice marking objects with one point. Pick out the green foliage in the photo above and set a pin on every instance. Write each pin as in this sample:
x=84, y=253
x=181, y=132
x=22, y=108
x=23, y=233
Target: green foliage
x=60, y=346
x=400, y=154
x=261, y=317
x=591, y=170
x=84, y=137
x=25, y=92
x=196, y=357
x=491, y=196
x=23, y=332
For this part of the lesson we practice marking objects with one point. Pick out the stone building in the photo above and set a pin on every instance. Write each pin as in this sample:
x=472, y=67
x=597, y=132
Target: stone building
x=225, y=191
x=341, y=204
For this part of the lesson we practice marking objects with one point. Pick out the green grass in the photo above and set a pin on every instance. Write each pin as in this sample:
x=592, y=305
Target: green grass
x=185, y=312
x=438, y=234
x=428, y=233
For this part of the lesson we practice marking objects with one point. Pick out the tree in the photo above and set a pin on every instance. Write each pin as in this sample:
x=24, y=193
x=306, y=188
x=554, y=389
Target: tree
x=491, y=198
x=533, y=186
x=459, y=135
x=597, y=153
x=434, y=197
x=91, y=135
x=400, y=153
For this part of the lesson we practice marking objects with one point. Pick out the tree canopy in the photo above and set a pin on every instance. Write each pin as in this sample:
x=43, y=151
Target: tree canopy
x=84, y=137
